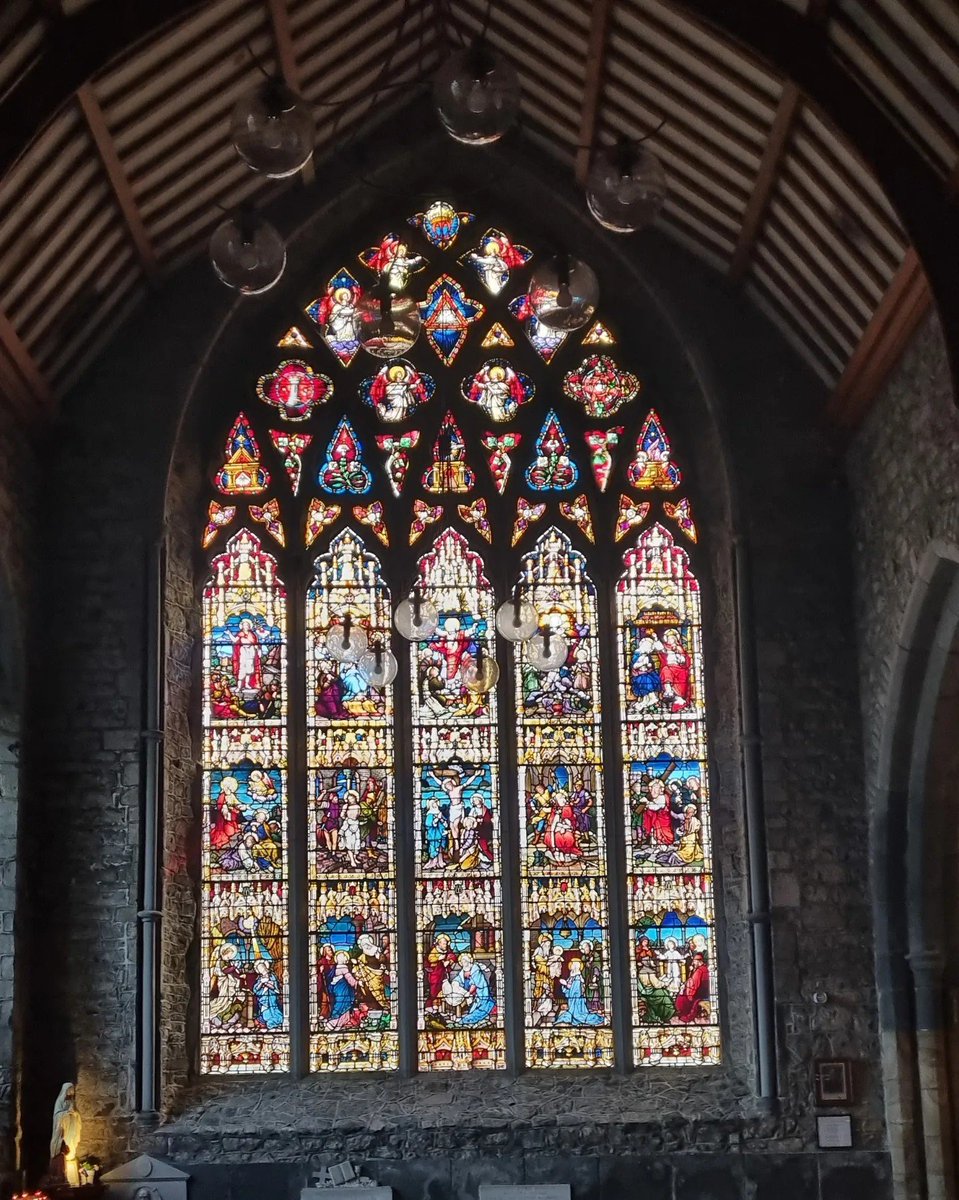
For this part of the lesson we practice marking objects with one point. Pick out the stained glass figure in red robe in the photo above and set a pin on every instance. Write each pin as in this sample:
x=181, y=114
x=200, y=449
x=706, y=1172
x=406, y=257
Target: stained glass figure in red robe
x=393, y=262
x=397, y=390
x=498, y=389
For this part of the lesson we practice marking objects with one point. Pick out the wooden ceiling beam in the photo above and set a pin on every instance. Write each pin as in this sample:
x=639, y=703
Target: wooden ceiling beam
x=800, y=49
x=288, y=62
x=593, y=86
x=76, y=49
x=895, y=321
x=118, y=179
x=766, y=177
x=283, y=40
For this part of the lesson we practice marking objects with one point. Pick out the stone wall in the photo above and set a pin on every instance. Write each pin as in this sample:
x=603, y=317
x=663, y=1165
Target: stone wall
x=904, y=471
x=904, y=475
x=744, y=406
x=17, y=513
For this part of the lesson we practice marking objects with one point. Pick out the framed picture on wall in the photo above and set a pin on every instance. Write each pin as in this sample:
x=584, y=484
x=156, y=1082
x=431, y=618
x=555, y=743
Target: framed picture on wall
x=833, y=1081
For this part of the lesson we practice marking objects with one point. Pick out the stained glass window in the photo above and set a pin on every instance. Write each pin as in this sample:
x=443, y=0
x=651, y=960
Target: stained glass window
x=675, y=1014
x=418, y=874
x=455, y=753
x=244, y=998
x=350, y=820
x=563, y=891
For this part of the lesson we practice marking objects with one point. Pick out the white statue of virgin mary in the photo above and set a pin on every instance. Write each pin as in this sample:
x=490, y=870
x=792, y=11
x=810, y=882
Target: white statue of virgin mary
x=65, y=1137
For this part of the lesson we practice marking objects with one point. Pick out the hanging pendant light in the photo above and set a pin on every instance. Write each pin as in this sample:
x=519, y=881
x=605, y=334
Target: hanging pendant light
x=482, y=674
x=516, y=619
x=389, y=323
x=416, y=619
x=547, y=650
x=247, y=253
x=476, y=94
x=346, y=642
x=563, y=292
x=626, y=187
x=273, y=130
x=378, y=666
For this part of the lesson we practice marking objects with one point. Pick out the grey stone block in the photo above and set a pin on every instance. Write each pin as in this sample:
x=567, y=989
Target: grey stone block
x=855, y=1177
x=709, y=1177
x=581, y=1172
x=781, y=1176
x=468, y=1173
x=627, y=1177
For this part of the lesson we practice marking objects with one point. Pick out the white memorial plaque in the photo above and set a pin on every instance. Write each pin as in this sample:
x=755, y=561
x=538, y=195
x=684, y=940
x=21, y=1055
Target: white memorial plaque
x=834, y=1132
x=524, y=1191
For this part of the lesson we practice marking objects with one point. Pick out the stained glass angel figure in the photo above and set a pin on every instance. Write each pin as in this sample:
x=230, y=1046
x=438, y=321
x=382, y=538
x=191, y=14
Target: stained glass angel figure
x=393, y=262
x=396, y=390
x=498, y=389
x=494, y=258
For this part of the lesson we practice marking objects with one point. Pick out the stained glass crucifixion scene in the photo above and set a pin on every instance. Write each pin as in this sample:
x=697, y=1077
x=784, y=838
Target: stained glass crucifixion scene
x=456, y=806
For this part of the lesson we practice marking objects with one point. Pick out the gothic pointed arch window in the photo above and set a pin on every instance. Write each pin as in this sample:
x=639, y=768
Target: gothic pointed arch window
x=498, y=854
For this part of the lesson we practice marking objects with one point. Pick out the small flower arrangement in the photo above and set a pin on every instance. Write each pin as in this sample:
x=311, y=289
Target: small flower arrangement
x=89, y=1168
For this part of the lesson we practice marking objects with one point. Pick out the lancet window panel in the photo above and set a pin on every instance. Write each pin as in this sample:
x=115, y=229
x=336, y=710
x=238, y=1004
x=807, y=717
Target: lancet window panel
x=457, y=820
x=350, y=818
x=675, y=1015
x=564, y=895
x=244, y=1000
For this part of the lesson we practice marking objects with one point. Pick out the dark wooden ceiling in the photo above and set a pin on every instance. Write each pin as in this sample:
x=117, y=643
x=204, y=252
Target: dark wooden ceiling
x=116, y=179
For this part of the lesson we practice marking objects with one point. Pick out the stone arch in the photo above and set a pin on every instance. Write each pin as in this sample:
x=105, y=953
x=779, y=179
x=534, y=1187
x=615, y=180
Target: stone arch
x=542, y=202
x=915, y=880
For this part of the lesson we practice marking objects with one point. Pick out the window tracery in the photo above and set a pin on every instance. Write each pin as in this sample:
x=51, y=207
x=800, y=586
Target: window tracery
x=482, y=465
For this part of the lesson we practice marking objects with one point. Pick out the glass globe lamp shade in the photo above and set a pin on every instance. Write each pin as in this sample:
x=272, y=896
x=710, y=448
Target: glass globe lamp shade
x=247, y=253
x=564, y=292
x=416, y=620
x=389, y=324
x=476, y=94
x=481, y=675
x=546, y=650
x=626, y=187
x=272, y=129
x=378, y=666
x=516, y=621
x=346, y=643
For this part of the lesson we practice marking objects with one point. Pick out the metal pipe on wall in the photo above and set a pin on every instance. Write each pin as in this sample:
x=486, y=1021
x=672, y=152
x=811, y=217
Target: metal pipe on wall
x=151, y=772
x=758, y=873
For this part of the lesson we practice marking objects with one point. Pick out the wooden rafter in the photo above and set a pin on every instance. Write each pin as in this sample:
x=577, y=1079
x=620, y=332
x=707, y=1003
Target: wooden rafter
x=117, y=176
x=287, y=60
x=283, y=39
x=755, y=214
x=22, y=375
x=900, y=312
x=593, y=87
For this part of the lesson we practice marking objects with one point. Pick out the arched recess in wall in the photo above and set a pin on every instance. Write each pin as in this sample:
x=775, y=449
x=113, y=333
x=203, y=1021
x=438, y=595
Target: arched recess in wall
x=915, y=883
x=244, y=352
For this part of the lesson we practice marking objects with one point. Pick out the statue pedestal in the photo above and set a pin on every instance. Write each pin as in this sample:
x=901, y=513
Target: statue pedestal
x=347, y=1193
